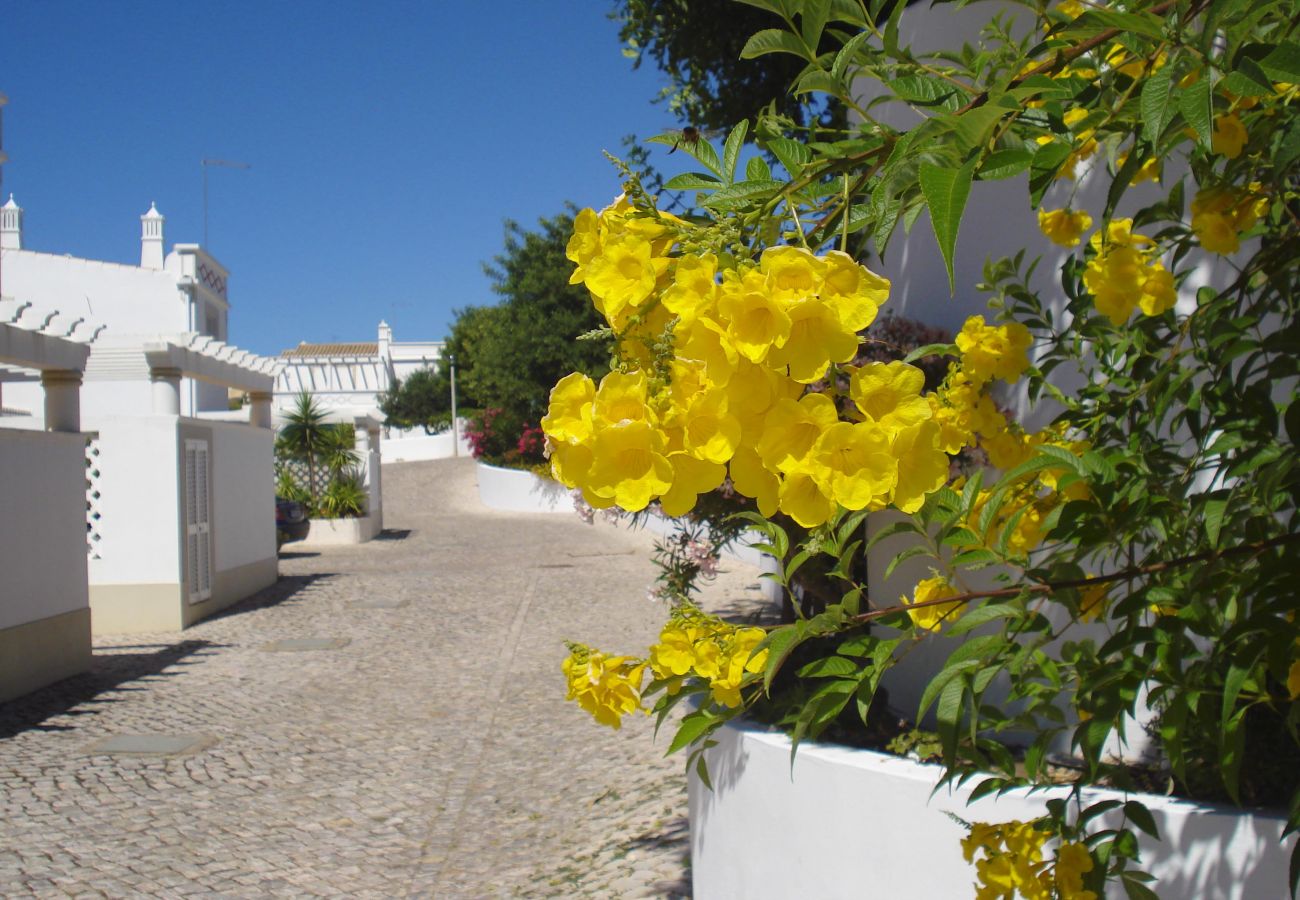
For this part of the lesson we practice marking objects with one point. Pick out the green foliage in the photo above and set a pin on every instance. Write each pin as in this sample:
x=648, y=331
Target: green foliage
x=421, y=400
x=1179, y=441
x=345, y=496
x=325, y=450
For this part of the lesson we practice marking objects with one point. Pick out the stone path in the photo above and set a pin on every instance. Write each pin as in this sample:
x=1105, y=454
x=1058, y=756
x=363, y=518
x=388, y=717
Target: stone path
x=430, y=755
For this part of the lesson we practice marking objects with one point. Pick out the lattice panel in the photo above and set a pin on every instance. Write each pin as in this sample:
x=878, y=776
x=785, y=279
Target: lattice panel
x=94, y=500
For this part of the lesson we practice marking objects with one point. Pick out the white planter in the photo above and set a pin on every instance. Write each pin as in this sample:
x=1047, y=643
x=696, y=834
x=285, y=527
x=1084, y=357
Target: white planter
x=325, y=532
x=516, y=490
x=855, y=823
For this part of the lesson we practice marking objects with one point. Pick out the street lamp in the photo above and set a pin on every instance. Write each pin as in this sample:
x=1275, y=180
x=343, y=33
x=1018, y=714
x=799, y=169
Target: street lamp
x=455, y=436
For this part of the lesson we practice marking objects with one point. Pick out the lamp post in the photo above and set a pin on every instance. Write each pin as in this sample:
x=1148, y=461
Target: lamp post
x=455, y=429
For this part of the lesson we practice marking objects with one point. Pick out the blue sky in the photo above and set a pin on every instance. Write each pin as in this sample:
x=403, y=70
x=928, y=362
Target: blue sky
x=388, y=142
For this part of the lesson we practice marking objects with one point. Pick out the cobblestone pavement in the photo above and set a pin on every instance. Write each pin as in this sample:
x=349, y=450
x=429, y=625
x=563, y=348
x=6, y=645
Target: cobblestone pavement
x=431, y=755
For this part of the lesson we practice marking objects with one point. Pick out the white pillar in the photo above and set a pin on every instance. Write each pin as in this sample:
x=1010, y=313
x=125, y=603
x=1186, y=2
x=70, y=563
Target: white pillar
x=151, y=239
x=259, y=409
x=166, y=391
x=62, y=399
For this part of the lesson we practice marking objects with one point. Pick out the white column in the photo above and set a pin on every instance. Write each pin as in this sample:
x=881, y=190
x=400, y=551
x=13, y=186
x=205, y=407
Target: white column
x=62, y=399
x=151, y=239
x=166, y=391
x=259, y=409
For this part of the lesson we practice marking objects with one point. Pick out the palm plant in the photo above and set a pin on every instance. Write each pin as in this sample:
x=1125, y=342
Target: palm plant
x=305, y=435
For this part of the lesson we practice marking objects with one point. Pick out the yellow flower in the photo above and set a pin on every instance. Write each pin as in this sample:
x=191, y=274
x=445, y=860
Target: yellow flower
x=674, y=655
x=792, y=273
x=792, y=429
x=607, y=687
x=1158, y=293
x=817, y=338
x=1073, y=862
x=855, y=292
x=705, y=340
x=568, y=418
x=989, y=352
x=751, y=479
x=694, y=290
x=711, y=433
x=922, y=465
x=691, y=477
x=1119, y=270
x=854, y=464
x=1229, y=136
x=584, y=245
x=621, y=397
x=1150, y=169
x=889, y=395
x=725, y=687
x=1094, y=600
x=931, y=617
x=1221, y=214
x=1064, y=226
x=802, y=499
x=755, y=320
x=627, y=465
x=623, y=276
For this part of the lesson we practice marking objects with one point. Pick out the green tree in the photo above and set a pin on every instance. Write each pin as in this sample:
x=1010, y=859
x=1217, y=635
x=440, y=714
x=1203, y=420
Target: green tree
x=698, y=46
x=421, y=400
x=508, y=356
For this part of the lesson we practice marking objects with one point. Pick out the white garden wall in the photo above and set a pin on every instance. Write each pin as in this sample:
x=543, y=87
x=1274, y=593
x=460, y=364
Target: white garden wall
x=43, y=528
x=412, y=445
x=845, y=823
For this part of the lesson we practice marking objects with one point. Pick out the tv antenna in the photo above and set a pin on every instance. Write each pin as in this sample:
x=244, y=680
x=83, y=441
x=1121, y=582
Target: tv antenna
x=206, y=164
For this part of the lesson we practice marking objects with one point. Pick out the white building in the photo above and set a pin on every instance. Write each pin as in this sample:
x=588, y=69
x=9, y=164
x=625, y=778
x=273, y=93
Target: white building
x=349, y=379
x=181, y=292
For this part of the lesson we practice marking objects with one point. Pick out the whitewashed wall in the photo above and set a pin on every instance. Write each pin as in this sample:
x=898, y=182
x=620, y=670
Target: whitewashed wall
x=243, y=493
x=140, y=500
x=412, y=444
x=43, y=528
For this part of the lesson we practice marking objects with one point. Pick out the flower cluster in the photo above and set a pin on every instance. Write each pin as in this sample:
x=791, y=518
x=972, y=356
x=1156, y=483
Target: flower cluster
x=1013, y=864
x=1064, y=226
x=1221, y=214
x=608, y=687
x=729, y=395
x=693, y=644
x=1125, y=272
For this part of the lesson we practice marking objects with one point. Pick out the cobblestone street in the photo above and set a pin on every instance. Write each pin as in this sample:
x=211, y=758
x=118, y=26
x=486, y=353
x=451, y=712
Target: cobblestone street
x=424, y=750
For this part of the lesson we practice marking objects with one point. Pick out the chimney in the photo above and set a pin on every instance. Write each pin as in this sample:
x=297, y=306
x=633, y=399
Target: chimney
x=151, y=239
x=385, y=338
x=11, y=225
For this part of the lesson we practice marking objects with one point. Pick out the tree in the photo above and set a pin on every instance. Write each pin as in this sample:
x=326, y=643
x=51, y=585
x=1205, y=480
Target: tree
x=308, y=437
x=698, y=45
x=421, y=400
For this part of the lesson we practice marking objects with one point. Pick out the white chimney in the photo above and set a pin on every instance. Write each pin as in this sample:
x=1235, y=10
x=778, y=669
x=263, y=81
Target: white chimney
x=11, y=225
x=151, y=239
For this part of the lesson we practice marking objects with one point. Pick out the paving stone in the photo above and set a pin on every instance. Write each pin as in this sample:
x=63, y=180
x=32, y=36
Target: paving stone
x=436, y=757
x=150, y=745
x=297, y=644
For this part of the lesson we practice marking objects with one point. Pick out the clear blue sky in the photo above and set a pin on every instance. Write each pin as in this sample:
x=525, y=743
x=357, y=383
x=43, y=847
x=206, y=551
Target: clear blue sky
x=388, y=142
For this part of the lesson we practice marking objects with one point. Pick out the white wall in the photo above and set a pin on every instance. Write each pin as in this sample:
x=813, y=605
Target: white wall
x=243, y=492
x=43, y=525
x=140, y=502
x=412, y=444
x=129, y=299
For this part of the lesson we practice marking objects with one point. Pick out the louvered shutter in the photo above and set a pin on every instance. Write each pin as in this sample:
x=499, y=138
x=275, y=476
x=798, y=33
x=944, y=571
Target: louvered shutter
x=198, y=524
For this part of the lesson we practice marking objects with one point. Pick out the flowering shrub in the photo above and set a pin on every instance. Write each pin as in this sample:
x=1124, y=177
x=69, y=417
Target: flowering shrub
x=500, y=438
x=1143, y=540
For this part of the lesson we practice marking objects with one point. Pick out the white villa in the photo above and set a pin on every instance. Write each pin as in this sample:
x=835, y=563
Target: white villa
x=174, y=517
x=348, y=379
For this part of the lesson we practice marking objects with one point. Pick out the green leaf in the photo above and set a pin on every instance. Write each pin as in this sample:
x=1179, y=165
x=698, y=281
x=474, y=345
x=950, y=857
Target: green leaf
x=946, y=190
x=931, y=350
x=1283, y=63
x=1140, y=816
x=731, y=152
x=976, y=559
x=1136, y=890
x=1157, y=104
x=692, y=181
x=1214, y=511
x=792, y=154
x=775, y=40
x=1148, y=25
x=989, y=612
x=844, y=58
x=1195, y=105
x=812, y=20
x=922, y=90
x=906, y=526
x=741, y=194
x=757, y=169
x=702, y=150
x=693, y=726
x=1005, y=164
x=702, y=770
x=909, y=553
x=830, y=667
x=972, y=127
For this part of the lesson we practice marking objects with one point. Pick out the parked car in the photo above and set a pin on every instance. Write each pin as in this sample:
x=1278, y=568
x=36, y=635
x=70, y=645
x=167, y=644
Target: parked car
x=290, y=521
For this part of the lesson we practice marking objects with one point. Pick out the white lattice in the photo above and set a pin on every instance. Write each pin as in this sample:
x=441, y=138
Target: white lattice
x=94, y=504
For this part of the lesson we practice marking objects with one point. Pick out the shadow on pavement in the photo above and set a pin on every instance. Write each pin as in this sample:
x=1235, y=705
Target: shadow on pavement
x=393, y=534
x=110, y=671
x=288, y=588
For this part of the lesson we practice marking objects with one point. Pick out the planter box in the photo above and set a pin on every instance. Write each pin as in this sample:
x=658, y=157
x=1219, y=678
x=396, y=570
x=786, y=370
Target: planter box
x=517, y=490
x=854, y=823
x=324, y=532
